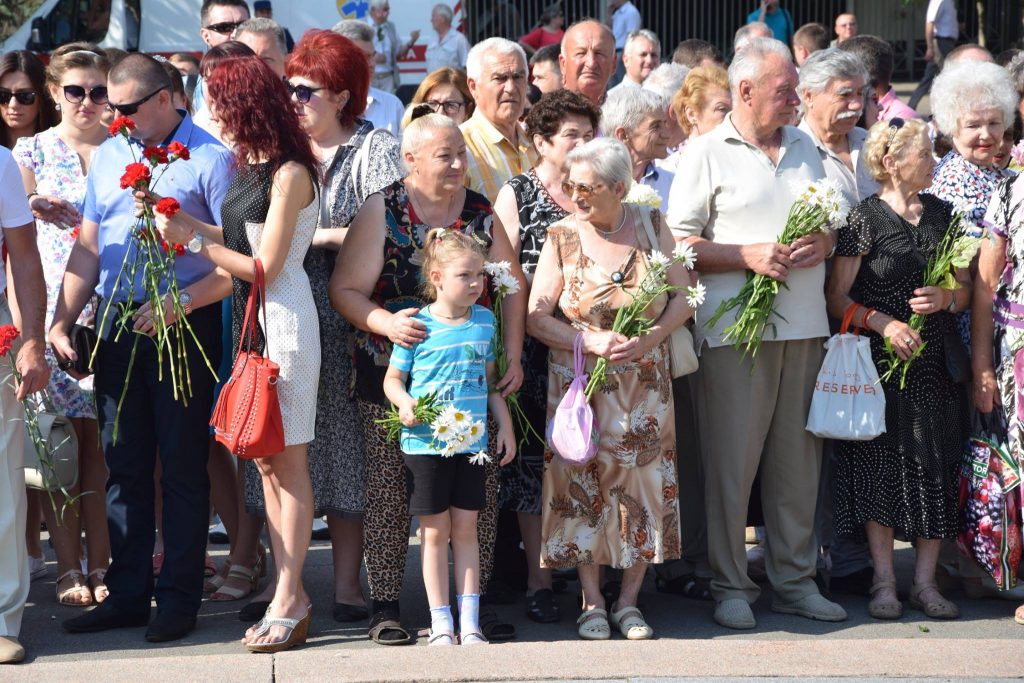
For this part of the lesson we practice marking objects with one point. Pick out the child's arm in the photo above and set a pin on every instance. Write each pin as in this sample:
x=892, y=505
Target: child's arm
x=497, y=407
x=394, y=389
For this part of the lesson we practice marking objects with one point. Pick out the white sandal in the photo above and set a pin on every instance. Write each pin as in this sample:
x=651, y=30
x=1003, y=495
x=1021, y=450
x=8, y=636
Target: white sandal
x=298, y=629
x=436, y=638
x=79, y=587
x=631, y=624
x=593, y=625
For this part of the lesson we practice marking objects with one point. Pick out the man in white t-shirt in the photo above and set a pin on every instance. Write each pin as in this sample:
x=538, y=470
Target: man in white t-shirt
x=18, y=233
x=450, y=48
x=940, y=33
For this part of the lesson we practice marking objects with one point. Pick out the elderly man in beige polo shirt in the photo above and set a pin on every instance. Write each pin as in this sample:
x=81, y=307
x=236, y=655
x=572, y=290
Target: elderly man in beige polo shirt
x=729, y=200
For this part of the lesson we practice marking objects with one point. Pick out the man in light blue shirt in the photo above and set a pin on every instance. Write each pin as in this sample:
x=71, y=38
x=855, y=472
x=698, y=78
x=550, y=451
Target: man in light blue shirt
x=129, y=385
x=777, y=18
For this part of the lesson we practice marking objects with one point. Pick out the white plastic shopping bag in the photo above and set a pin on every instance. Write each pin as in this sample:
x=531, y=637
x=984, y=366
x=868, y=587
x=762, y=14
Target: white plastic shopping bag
x=848, y=401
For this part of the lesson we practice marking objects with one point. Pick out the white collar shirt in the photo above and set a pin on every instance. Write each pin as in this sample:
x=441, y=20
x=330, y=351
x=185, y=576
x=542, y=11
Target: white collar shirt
x=384, y=110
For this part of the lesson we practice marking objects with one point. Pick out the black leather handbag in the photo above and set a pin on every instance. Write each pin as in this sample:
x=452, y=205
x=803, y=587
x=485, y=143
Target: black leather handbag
x=83, y=341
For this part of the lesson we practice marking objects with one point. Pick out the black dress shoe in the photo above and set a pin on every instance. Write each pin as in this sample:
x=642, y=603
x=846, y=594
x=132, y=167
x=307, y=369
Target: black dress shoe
x=170, y=626
x=103, y=618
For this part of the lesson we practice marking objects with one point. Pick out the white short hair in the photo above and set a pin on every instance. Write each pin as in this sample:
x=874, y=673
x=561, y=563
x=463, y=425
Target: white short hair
x=445, y=11
x=377, y=4
x=965, y=87
x=825, y=66
x=666, y=79
x=353, y=29
x=645, y=34
x=499, y=46
x=628, y=107
x=422, y=129
x=747, y=64
x=607, y=158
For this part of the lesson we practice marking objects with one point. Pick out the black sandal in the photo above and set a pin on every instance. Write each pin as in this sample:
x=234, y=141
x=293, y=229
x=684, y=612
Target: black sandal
x=689, y=586
x=542, y=608
x=494, y=628
x=386, y=629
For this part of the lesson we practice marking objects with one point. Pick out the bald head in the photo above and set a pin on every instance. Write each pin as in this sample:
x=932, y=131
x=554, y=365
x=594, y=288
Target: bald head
x=969, y=52
x=587, y=60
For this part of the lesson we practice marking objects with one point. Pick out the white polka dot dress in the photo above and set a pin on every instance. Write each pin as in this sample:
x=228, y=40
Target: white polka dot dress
x=292, y=327
x=907, y=477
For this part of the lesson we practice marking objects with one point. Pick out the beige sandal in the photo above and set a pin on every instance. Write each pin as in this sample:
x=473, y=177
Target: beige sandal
x=247, y=577
x=631, y=624
x=97, y=585
x=936, y=609
x=78, y=588
x=593, y=625
x=885, y=606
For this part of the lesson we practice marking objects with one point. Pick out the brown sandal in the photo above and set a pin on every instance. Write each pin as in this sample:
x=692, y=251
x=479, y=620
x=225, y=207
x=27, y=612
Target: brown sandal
x=885, y=607
x=936, y=609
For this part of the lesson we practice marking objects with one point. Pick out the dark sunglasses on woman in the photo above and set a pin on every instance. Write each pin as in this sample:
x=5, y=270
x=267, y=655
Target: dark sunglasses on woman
x=76, y=94
x=302, y=93
x=24, y=97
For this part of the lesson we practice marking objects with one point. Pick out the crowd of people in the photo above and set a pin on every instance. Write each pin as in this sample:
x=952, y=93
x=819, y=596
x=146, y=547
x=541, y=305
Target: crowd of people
x=476, y=247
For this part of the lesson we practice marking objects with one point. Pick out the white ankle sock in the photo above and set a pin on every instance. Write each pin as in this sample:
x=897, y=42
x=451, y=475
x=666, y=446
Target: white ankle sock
x=469, y=613
x=441, y=620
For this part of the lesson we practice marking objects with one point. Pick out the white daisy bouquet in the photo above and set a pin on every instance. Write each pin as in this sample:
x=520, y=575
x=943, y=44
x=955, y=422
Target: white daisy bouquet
x=819, y=204
x=504, y=284
x=956, y=250
x=630, y=320
x=642, y=195
x=453, y=430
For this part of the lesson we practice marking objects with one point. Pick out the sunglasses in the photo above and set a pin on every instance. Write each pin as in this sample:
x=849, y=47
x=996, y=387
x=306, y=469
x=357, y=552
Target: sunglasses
x=224, y=27
x=25, y=97
x=449, y=107
x=132, y=107
x=302, y=93
x=582, y=190
x=895, y=124
x=76, y=94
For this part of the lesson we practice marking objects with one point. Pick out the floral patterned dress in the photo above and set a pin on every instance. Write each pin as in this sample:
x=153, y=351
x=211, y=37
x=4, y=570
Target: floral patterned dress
x=620, y=508
x=58, y=172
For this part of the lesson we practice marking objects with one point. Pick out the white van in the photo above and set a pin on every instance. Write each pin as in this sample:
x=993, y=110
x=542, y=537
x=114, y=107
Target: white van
x=168, y=26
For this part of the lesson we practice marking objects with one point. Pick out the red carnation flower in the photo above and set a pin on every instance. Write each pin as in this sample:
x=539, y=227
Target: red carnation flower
x=155, y=155
x=165, y=246
x=136, y=176
x=8, y=333
x=179, y=249
x=75, y=232
x=179, y=150
x=122, y=125
x=168, y=206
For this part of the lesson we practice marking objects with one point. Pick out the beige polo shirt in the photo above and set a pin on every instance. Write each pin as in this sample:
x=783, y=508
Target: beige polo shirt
x=856, y=184
x=493, y=159
x=728, y=191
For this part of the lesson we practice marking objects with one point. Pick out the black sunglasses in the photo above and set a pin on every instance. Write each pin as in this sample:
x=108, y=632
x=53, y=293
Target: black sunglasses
x=301, y=92
x=76, y=94
x=132, y=107
x=25, y=97
x=224, y=27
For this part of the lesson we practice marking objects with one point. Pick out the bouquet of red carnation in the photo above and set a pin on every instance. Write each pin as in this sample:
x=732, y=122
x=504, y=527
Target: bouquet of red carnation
x=155, y=259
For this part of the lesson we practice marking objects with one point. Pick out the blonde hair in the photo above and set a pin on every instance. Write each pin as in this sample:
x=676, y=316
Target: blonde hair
x=886, y=139
x=440, y=247
x=694, y=92
x=446, y=75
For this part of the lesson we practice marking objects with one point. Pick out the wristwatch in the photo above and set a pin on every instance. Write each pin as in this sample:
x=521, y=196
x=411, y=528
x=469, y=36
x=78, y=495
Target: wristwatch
x=195, y=245
x=185, y=299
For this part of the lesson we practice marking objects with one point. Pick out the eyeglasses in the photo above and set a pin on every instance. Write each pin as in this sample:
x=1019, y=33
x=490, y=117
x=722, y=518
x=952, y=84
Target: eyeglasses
x=450, y=107
x=76, y=94
x=224, y=27
x=895, y=124
x=583, y=190
x=132, y=107
x=25, y=97
x=302, y=93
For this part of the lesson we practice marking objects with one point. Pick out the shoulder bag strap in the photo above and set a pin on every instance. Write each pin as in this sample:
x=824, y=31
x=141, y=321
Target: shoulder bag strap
x=360, y=163
x=261, y=286
x=645, y=218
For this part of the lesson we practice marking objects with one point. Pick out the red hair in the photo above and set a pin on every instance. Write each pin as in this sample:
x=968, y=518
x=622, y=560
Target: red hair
x=334, y=62
x=257, y=114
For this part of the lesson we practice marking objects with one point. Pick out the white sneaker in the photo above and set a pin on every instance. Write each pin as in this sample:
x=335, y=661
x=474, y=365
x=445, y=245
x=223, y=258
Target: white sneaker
x=36, y=568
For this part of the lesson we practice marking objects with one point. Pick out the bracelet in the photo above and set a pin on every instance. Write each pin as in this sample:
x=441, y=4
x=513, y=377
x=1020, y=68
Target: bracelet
x=835, y=243
x=31, y=194
x=867, y=317
x=952, y=301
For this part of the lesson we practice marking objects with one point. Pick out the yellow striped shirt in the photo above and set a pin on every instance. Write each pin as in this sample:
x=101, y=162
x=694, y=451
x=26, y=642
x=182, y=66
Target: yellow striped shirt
x=493, y=159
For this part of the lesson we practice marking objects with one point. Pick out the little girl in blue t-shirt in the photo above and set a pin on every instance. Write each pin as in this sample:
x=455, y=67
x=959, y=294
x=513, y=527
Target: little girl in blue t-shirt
x=445, y=485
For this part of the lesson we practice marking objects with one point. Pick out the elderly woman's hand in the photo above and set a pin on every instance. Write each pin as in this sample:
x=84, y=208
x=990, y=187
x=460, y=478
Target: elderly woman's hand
x=986, y=391
x=405, y=331
x=928, y=300
x=904, y=340
x=513, y=379
x=610, y=345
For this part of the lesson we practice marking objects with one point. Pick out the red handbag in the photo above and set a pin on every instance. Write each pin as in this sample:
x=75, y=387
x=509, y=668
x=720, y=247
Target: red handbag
x=247, y=417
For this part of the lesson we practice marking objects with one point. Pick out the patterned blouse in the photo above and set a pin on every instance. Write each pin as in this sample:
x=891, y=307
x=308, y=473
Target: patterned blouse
x=399, y=284
x=967, y=186
x=537, y=210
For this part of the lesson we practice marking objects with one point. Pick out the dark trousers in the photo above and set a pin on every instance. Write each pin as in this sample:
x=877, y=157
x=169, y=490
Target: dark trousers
x=945, y=45
x=153, y=423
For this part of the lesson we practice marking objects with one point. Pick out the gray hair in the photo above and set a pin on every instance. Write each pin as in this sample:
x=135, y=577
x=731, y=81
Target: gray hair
x=607, y=158
x=825, y=66
x=500, y=46
x=262, y=26
x=645, y=34
x=666, y=79
x=747, y=64
x=377, y=4
x=628, y=107
x=1016, y=69
x=422, y=129
x=965, y=87
x=354, y=29
x=445, y=11
x=743, y=34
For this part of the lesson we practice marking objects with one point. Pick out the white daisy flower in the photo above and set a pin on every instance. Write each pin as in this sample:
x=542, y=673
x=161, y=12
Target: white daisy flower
x=659, y=260
x=480, y=458
x=459, y=418
x=695, y=295
x=442, y=431
x=496, y=268
x=643, y=195
x=684, y=254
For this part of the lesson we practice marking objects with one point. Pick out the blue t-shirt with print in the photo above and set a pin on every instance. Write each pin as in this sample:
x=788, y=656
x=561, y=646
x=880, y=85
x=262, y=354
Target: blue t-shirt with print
x=452, y=361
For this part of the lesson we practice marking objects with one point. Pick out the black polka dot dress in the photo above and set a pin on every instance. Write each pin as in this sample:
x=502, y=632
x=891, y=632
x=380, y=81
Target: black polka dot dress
x=907, y=477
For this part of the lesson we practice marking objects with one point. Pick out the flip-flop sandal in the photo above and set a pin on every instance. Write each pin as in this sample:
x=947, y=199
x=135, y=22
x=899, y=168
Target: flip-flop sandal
x=542, y=608
x=593, y=625
x=384, y=626
x=493, y=628
x=631, y=624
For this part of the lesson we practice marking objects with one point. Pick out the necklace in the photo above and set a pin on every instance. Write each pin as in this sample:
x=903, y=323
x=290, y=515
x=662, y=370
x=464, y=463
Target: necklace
x=450, y=317
x=421, y=215
x=606, y=233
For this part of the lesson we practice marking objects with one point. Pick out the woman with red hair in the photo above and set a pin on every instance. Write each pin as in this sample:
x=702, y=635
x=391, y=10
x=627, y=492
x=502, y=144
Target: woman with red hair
x=270, y=213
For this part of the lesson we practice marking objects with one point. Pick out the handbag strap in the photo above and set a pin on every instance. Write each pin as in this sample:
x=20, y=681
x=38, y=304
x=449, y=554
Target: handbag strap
x=258, y=289
x=579, y=359
x=851, y=310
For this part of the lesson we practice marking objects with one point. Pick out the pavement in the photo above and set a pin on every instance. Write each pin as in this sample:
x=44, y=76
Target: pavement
x=985, y=644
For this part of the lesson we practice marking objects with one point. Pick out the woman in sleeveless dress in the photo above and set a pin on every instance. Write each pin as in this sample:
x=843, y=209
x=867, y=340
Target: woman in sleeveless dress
x=270, y=213
x=619, y=509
